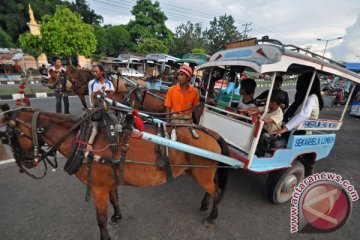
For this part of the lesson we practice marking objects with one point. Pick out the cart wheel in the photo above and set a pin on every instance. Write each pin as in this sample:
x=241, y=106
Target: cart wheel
x=280, y=185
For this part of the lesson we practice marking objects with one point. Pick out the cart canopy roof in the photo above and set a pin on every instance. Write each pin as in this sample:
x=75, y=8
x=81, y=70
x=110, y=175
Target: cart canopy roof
x=273, y=56
x=194, y=58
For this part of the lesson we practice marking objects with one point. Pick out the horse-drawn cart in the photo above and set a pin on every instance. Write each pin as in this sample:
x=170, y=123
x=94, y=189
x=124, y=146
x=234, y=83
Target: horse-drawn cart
x=105, y=150
x=289, y=161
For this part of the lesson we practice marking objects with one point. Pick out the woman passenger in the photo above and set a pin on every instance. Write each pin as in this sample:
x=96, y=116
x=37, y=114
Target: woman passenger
x=312, y=107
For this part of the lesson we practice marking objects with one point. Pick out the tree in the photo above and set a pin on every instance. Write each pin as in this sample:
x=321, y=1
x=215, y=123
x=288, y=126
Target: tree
x=101, y=42
x=187, y=37
x=152, y=45
x=65, y=34
x=14, y=14
x=87, y=15
x=31, y=44
x=119, y=40
x=5, y=40
x=149, y=23
x=221, y=32
x=198, y=50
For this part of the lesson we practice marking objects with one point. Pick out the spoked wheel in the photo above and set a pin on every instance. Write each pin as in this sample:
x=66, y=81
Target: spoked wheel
x=280, y=185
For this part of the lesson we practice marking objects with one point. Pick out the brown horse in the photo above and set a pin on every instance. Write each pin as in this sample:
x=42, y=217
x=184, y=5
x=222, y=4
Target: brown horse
x=151, y=101
x=76, y=81
x=140, y=171
x=80, y=79
x=133, y=95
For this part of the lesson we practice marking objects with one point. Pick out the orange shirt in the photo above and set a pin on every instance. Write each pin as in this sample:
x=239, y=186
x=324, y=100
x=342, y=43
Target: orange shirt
x=176, y=100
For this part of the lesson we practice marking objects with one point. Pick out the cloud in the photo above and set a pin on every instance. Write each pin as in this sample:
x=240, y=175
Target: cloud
x=350, y=48
x=292, y=22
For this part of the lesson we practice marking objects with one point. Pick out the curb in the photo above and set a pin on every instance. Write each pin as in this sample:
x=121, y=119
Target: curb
x=40, y=95
x=7, y=161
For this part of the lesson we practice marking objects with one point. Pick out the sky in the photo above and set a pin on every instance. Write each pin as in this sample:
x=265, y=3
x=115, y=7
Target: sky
x=297, y=22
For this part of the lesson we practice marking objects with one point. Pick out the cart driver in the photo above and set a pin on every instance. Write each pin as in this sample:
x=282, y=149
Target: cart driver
x=182, y=97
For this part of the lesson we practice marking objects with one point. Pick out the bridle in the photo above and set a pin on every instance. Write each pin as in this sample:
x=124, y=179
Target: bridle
x=41, y=151
x=23, y=159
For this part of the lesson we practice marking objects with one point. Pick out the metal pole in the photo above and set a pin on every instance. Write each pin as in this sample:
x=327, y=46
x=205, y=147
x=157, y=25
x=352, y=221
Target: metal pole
x=189, y=149
x=327, y=41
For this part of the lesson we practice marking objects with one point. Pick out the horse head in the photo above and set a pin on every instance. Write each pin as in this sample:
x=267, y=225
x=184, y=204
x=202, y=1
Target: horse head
x=26, y=133
x=79, y=79
x=70, y=70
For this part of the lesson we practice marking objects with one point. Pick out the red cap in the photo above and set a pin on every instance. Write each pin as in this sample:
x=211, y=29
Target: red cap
x=187, y=70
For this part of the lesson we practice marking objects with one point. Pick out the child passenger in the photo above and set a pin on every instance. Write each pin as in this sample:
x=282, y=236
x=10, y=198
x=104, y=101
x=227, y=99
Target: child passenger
x=272, y=122
x=247, y=91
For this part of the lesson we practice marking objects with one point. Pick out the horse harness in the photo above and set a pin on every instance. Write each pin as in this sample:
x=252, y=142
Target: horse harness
x=118, y=129
x=40, y=153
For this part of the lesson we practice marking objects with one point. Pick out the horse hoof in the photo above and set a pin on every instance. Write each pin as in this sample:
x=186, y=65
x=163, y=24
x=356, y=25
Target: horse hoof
x=208, y=224
x=116, y=218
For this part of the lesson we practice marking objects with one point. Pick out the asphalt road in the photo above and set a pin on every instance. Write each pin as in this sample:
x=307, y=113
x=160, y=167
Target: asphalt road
x=54, y=208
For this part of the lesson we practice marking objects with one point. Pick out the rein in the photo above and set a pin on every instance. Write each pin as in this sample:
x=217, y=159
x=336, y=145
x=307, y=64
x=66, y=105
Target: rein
x=25, y=160
x=21, y=157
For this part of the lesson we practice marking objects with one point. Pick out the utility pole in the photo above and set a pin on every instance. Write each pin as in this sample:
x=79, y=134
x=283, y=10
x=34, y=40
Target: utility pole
x=246, y=29
x=327, y=41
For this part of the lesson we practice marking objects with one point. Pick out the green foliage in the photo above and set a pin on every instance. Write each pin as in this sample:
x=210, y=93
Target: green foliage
x=152, y=45
x=14, y=14
x=198, y=50
x=149, y=23
x=87, y=15
x=187, y=37
x=101, y=40
x=65, y=34
x=31, y=44
x=119, y=40
x=221, y=32
x=5, y=40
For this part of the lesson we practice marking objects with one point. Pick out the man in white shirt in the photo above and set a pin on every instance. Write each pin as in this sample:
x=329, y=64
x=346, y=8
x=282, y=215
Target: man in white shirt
x=99, y=84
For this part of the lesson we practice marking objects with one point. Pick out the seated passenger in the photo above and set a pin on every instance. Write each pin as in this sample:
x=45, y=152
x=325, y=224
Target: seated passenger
x=261, y=99
x=231, y=84
x=272, y=122
x=247, y=91
x=312, y=107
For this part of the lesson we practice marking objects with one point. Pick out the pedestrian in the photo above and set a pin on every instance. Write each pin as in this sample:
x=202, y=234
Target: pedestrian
x=181, y=98
x=57, y=75
x=99, y=84
x=43, y=71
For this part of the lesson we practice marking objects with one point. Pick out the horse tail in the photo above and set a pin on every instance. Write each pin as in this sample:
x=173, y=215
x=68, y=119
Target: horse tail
x=222, y=173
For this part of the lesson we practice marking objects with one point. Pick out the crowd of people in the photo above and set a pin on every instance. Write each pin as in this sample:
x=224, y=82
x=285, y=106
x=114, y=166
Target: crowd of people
x=182, y=99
